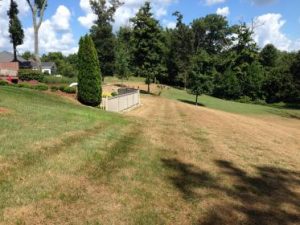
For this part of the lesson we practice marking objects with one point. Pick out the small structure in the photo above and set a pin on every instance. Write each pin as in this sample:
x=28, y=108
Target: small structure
x=125, y=100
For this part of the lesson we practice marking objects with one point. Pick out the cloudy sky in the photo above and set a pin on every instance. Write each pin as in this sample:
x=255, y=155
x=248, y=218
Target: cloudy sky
x=278, y=21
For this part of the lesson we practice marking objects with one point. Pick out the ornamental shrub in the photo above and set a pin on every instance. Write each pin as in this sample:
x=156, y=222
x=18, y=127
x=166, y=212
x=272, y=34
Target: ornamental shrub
x=28, y=75
x=89, y=76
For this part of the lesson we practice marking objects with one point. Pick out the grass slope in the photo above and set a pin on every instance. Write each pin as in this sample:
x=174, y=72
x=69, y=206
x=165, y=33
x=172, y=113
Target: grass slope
x=229, y=106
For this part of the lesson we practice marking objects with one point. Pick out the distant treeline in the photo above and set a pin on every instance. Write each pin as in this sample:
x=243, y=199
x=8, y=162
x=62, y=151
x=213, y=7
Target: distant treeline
x=207, y=56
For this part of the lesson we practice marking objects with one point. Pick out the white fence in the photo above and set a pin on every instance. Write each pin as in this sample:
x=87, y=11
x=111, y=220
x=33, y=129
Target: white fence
x=121, y=102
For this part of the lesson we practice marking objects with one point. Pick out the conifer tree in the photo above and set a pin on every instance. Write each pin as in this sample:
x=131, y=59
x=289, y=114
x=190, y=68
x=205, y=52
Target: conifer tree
x=89, y=76
x=16, y=32
x=148, y=46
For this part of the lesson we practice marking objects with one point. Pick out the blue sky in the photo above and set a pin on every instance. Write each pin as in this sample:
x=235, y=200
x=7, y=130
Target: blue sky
x=277, y=21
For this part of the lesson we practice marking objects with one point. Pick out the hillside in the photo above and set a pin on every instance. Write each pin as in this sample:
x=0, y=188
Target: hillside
x=166, y=162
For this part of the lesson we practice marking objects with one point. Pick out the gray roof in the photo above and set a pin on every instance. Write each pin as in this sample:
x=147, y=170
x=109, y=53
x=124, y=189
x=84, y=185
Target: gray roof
x=9, y=57
x=45, y=65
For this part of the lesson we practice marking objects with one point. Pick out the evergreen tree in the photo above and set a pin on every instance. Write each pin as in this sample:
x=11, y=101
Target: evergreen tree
x=180, y=53
x=89, y=76
x=147, y=45
x=15, y=28
x=102, y=35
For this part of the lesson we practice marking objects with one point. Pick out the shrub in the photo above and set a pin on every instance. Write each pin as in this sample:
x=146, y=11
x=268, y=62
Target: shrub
x=54, y=88
x=58, y=80
x=89, y=76
x=3, y=83
x=41, y=87
x=69, y=90
x=114, y=94
x=28, y=75
x=62, y=88
x=24, y=85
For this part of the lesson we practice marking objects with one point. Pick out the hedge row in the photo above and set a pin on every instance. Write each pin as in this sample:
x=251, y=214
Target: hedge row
x=68, y=90
x=28, y=75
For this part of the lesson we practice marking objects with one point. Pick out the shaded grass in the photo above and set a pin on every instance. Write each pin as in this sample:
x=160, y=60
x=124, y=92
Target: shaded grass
x=230, y=106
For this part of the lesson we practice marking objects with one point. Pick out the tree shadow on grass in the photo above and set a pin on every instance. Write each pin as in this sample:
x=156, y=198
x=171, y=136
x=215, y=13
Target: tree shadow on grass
x=191, y=102
x=270, y=197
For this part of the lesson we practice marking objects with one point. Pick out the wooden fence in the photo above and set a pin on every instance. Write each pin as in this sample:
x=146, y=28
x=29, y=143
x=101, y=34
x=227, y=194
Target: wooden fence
x=121, y=102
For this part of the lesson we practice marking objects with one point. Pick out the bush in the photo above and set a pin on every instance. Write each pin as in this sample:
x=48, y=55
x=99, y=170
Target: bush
x=89, y=76
x=3, y=83
x=113, y=94
x=69, y=90
x=24, y=85
x=59, y=80
x=41, y=87
x=62, y=88
x=28, y=75
x=54, y=88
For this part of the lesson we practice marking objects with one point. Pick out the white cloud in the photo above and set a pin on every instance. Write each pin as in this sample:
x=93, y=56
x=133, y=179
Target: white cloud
x=169, y=24
x=125, y=12
x=55, y=33
x=268, y=29
x=223, y=11
x=214, y=2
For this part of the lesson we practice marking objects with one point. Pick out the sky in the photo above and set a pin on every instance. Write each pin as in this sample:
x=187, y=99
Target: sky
x=276, y=21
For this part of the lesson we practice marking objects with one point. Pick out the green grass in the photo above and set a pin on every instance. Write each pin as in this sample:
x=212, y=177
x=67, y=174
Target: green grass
x=230, y=106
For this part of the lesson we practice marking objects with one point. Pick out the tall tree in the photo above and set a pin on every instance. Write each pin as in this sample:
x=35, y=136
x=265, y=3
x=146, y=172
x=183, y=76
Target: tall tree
x=89, y=76
x=147, y=44
x=181, y=52
x=37, y=8
x=200, y=78
x=269, y=56
x=15, y=27
x=102, y=35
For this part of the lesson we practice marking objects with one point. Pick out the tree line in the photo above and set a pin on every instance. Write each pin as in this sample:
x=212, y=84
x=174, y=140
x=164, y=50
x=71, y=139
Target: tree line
x=207, y=56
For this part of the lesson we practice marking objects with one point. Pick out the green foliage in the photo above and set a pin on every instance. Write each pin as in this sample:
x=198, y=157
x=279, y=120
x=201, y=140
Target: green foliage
x=41, y=87
x=27, y=55
x=58, y=80
x=69, y=90
x=28, y=75
x=3, y=83
x=102, y=34
x=147, y=45
x=66, y=66
x=227, y=85
x=180, y=54
x=16, y=32
x=89, y=77
x=269, y=56
x=122, y=61
x=200, y=78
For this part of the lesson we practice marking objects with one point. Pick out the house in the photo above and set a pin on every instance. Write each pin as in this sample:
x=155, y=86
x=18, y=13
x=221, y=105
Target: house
x=6, y=58
x=7, y=67
x=47, y=67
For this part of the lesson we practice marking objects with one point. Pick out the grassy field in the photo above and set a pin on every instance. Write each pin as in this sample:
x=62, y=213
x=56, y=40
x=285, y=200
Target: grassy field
x=166, y=162
x=230, y=106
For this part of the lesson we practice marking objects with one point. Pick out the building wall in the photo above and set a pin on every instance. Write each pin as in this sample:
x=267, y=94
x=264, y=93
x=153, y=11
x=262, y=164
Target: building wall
x=9, y=69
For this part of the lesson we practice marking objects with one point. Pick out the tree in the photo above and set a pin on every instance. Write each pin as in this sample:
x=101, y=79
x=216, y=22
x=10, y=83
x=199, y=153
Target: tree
x=89, y=76
x=211, y=33
x=147, y=45
x=200, y=78
x=295, y=70
x=181, y=52
x=122, y=61
x=27, y=55
x=15, y=28
x=102, y=35
x=37, y=8
x=269, y=56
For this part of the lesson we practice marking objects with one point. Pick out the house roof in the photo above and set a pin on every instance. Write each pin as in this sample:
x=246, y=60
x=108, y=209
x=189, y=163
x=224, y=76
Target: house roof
x=9, y=57
x=45, y=65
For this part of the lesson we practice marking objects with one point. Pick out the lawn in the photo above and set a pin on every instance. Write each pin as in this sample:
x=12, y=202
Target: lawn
x=230, y=106
x=166, y=162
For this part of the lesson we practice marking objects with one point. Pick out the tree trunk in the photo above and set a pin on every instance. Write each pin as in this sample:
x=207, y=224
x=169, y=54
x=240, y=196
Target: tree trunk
x=149, y=88
x=36, y=48
x=15, y=52
x=197, y=100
